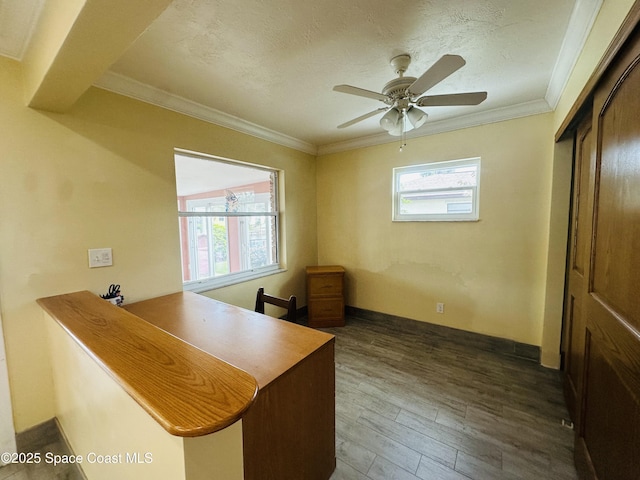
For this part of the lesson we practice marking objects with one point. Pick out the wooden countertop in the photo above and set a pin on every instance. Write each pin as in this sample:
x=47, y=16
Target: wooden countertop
x=186, y=390
x=261, y=345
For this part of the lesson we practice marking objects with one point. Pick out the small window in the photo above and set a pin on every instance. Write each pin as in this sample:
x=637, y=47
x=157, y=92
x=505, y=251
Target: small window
x=228, y=217
x=443, y=191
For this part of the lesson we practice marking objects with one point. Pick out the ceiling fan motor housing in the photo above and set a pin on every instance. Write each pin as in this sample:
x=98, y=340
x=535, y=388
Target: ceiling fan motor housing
x=397, y=88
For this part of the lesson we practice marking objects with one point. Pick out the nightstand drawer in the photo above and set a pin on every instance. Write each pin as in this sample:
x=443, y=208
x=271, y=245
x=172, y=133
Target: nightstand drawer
x=330, y=308
x=325, y=285
x=326, y=313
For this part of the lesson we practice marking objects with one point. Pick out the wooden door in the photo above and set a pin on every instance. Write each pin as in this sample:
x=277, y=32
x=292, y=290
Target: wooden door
x=608, y=434
x=573, y=335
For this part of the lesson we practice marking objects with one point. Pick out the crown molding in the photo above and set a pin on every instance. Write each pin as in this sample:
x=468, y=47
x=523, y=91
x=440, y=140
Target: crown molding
x=128, y=87
x=581, y=21
x=132, y=88
x=526, y=109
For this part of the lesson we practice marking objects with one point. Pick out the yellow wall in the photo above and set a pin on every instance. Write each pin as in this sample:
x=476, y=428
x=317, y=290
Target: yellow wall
x=490, y=274
x=102, y=175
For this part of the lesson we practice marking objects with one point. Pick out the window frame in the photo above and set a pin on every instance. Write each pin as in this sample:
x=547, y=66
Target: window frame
x=211, y=283
x=397, y=195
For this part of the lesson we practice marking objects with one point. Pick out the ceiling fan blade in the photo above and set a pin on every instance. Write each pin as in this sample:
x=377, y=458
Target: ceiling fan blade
x=361, y=92
x=471, y=98
x=362, y=117
x=438, y=72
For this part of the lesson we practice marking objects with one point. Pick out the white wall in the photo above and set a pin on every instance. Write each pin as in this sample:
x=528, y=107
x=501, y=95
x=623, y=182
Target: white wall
x=7, y=434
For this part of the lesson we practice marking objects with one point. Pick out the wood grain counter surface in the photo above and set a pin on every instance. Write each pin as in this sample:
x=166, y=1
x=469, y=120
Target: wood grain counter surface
x=186, y=390
x=261, y=345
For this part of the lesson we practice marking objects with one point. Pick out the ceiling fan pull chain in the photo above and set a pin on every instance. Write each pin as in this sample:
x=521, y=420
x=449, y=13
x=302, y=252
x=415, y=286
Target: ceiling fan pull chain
x=403, y=137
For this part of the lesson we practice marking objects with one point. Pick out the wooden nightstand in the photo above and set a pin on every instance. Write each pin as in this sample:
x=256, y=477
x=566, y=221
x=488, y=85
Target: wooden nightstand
x=325, y=296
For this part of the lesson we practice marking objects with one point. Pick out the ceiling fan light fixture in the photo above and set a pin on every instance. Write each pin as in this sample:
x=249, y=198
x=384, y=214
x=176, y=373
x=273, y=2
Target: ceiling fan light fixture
x=396, y=132
x=401, y=94
x=416, y=116
x=402, y=127
x=391, y=120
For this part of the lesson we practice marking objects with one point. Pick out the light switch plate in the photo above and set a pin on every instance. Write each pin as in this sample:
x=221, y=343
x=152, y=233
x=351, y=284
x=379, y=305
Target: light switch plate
x=100, y=257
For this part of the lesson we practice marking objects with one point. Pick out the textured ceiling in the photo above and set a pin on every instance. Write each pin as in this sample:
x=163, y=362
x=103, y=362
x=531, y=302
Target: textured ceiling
x=17, y=19
x=273, y=63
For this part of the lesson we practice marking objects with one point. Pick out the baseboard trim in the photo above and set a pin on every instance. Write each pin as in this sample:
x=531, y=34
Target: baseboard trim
x=484, y=342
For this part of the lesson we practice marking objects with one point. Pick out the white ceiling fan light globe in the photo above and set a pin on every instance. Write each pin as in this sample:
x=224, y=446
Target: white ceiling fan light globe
x=391, y=120
x=400, y=128
x=417, y=117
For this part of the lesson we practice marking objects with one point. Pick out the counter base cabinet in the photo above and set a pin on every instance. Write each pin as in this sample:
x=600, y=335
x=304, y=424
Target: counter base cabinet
x=289, y=432
x=325, y=297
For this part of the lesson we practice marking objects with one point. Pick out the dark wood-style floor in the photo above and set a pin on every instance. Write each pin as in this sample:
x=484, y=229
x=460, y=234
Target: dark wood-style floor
x=432, y=405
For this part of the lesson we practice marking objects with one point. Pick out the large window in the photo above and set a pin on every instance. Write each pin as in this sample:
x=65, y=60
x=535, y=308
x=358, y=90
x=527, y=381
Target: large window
x=443, y=191
x=228, y=217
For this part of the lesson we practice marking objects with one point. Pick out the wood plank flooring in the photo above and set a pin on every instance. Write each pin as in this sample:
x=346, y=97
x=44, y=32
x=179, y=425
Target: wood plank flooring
x=429, y=404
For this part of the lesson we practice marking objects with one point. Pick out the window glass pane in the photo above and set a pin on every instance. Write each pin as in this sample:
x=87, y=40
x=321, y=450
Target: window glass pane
x=261, y=231
x=233, y=242
x=231, y=187
x=443, y=191
x=435, y=202
x=220, y=245
x=427, y=179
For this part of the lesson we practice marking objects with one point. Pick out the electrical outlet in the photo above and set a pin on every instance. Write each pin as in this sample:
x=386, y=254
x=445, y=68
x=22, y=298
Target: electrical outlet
x=100, y=257
x=439, y=307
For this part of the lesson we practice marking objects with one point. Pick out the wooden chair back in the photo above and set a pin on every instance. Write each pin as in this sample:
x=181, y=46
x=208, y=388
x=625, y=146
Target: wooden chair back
x=289, y=305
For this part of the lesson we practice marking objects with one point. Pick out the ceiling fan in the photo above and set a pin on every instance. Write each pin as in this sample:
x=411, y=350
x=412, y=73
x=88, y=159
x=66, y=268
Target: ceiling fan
x=402, y=95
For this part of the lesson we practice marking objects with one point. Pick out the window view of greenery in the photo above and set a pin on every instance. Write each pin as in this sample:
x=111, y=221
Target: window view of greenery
x=228, y=218
x=437, y=191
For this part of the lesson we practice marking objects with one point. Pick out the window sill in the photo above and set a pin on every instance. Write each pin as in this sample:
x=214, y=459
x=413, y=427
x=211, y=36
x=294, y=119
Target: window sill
x=226, y=281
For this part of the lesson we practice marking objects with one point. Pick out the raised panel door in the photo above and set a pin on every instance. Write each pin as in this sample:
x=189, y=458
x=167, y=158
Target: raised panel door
x=608, y=438
x=574, y=324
